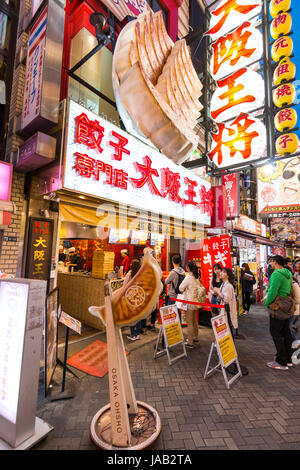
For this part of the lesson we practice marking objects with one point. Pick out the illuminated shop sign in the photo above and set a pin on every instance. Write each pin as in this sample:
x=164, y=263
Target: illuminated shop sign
x=285, y=93
x=279, y=188
x=246, y=224
x=104, y=161
x=6, y=172
x=239, y=137
x=13, y=306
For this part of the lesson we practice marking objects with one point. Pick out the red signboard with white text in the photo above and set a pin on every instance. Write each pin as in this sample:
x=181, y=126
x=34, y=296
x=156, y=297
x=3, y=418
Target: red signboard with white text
x=214, y=250
x=104, y=161
x=232, y=194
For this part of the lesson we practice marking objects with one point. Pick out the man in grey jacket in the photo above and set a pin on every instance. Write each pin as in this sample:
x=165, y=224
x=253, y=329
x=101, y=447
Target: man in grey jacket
x=175, y=277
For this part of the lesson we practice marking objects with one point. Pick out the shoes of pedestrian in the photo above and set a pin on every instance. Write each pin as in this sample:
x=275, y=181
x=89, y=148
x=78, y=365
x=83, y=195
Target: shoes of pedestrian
x=290, y=364
x=189, y=346
x=195, y=340
x=132, y=337
x=137, y=337
x=276, y=365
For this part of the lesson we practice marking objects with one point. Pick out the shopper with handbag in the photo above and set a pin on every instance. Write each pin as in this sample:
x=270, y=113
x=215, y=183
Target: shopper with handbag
x=248, y=281
x=281, y=307
x=191, y=286
x=226, y=295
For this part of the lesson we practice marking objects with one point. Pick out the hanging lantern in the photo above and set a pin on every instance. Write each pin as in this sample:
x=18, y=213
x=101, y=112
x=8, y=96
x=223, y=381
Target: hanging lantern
x=285, y=71
x=282, y=47
x=285, y=120
x=284, y=95
x=282, y=24
x=277, y=6
x=287, y=144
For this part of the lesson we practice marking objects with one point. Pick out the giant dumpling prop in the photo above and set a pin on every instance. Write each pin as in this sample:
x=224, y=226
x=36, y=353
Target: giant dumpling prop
x=156, y=86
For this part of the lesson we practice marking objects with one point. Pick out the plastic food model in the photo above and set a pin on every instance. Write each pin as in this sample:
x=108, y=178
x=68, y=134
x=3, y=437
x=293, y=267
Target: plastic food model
x=156, y=86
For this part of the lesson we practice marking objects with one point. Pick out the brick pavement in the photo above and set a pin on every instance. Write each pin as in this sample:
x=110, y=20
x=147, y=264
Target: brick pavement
x=260, y=411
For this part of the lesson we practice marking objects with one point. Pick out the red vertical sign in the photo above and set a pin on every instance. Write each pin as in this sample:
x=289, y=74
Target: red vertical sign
x=231, y=189
x=218, y=217
x=214, y=250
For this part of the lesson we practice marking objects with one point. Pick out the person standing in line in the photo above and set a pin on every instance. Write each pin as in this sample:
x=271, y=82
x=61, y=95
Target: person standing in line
x=280, y=290
x=135, y=329
x=226, y=295
x=296, y=296
x=190, y=286
x=248, y=281
x=174, y=279
x=214, y=285
x=297, y=270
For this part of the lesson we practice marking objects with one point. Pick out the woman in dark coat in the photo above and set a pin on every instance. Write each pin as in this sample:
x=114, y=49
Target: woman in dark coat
x=248, y=281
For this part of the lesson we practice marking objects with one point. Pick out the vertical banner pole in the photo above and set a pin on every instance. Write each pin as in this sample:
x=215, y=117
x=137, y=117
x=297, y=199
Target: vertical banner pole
x=129, y=390
x=65, y=360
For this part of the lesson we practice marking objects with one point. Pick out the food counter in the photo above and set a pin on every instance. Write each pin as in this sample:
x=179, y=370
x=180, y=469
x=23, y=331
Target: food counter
x=78, y=292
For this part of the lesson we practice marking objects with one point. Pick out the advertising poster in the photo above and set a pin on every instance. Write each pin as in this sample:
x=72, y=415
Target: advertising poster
x=285, y=229
x=231, y=187
x=225, y=345
x=171, y=325
x=51, y=322
x=279, y=192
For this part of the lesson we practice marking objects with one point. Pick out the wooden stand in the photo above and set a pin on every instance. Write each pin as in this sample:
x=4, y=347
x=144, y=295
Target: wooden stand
x=115, y=425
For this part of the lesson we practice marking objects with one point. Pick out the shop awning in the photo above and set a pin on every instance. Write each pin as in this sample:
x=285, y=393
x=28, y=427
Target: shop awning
x=108, y=215
x=256, y=239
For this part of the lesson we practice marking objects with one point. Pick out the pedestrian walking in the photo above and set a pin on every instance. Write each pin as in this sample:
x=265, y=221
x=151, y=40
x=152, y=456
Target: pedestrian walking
x=280, y=308
x=248, y=281
x=192, y=288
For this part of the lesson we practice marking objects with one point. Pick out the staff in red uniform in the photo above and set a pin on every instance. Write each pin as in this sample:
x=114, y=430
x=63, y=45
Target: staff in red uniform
x=125, y=265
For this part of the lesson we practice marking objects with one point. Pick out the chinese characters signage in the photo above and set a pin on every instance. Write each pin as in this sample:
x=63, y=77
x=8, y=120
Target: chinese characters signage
x=123, y=8
x=232, y=194
x=246, y=224
x=225, y=345
x=39, y=248
x=239, y=137
x=279, y=191
x=106, y=162
x=214, y=250
x=33, y=80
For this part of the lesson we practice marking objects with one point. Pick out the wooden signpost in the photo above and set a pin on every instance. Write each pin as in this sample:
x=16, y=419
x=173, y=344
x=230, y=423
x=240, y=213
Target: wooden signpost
x=225, y=348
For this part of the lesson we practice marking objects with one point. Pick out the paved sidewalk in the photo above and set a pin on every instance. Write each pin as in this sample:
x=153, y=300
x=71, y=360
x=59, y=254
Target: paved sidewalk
x=260, y=411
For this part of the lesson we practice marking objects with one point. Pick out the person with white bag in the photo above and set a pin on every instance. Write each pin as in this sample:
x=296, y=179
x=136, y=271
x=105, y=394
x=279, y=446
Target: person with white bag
x=194, y=292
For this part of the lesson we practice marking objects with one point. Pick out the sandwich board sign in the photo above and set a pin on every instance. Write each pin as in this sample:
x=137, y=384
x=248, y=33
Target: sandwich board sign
x=172, y=332
x=225, y=349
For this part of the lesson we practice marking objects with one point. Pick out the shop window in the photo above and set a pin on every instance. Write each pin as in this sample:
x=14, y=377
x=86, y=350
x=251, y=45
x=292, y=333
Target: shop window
x=97, y=72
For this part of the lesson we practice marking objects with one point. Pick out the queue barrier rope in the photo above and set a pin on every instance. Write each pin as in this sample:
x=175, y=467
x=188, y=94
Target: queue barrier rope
x=197, y=303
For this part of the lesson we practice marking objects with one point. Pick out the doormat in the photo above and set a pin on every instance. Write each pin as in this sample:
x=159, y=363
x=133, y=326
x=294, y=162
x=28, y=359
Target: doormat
x=92, y=359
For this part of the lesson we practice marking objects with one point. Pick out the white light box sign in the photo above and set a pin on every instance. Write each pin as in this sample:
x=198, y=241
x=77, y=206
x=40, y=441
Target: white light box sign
x=104, y=161
x=21, y=322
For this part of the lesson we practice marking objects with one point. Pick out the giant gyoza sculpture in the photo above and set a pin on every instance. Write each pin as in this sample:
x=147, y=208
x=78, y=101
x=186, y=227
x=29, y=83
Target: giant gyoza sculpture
x=125, y=423
x=156, y=86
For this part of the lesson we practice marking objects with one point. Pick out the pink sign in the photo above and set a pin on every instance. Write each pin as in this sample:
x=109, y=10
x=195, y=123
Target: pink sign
x=6, y=171
x=232, y=197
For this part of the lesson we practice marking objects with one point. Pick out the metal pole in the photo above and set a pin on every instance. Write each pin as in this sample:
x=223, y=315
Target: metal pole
x=65, y=360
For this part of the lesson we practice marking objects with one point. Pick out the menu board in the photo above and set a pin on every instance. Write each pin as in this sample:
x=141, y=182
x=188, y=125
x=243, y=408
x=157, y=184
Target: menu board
x=157, y=239
x=118, y=236
x=139, y=238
